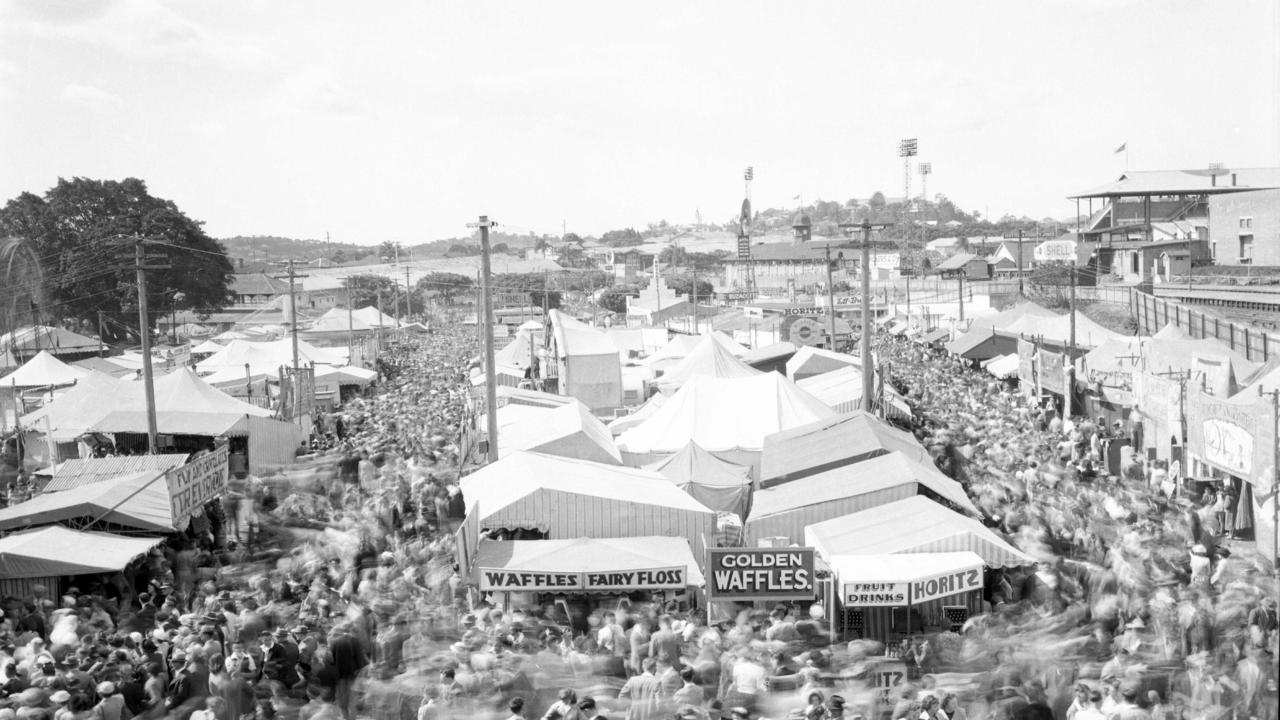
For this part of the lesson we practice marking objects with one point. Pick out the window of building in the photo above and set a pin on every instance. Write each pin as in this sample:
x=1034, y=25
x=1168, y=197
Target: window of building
x=1213, y=250
x=1246, y=249
x=1246, y=223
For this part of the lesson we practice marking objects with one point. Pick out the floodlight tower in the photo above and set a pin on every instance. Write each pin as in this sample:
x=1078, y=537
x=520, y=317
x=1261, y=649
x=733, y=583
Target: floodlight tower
x=925, y=169
x=907, y=149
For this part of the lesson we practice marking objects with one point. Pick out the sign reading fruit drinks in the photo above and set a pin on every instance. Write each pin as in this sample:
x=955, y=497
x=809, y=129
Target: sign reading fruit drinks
x=750, y=574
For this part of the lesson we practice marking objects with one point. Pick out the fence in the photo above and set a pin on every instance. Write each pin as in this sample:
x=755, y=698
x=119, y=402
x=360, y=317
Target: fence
x=1153, y=313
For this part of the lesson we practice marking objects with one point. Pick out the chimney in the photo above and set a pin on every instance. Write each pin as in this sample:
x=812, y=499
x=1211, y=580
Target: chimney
x=1233, y=179
x=1213, y=180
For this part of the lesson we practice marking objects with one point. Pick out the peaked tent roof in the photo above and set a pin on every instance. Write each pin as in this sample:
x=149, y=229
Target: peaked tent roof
x=817, y=446
x=519, y=352
x=720, y=485
x=263, y=358
x=44, y=369
x=841, y=390
x=809, y=361
x=373, y=317
x=709, y=357
x=57, y=551
x=1007, y=317
x=590, y=554
x=336, y=320
x=567, y=431
x=725, y=414
x=103, y=366
x=1058, y=329
x=617, y=426
x=45, y=337
x=520, y=474
x=860, y=478
x=574, y=337
x=912, y=525
x=677, y=348
x=208, y=347
x=145, y=504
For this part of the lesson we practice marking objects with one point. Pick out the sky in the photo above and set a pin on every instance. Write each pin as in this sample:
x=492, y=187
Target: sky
x=403, y=121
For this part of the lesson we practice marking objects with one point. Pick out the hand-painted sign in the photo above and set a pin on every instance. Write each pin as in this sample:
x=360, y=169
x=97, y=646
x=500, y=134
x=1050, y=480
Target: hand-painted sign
x=946, y=584
x=748, y=574
x=500, y=579
x=857, y=594
x=197, y=482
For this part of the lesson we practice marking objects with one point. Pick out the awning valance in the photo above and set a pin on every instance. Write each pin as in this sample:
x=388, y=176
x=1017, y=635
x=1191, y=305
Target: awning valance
x=896, y=580
x=139, y=500
x=587, y=565
x=56, y=551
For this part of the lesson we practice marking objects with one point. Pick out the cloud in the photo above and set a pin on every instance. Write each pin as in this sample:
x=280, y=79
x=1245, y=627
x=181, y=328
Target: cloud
x=89, y=96
x=315, y=89
x=148, y=28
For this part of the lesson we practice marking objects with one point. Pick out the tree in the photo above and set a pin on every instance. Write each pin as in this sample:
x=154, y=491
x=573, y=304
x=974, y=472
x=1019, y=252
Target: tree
x=615, y=299
x=387, y=250
x=446, y=286
x=573, y=256
x=82, y=233
x=877, y=201
x=338, y=257
x=682, y=285
x=365, y=288
x=500, y=248
x=622, y=238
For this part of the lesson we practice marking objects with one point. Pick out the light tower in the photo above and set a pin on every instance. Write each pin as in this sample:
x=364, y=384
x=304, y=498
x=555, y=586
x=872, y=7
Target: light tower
x=925, y=169
x=907, y=149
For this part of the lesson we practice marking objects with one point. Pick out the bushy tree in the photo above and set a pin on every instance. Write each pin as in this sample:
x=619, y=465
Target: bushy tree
x=82, y=231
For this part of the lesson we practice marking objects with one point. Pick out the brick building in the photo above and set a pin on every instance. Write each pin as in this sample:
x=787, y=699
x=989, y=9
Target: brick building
x=1244, y=228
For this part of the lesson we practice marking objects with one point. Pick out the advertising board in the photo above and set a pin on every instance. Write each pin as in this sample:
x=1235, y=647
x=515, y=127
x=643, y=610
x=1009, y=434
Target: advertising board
x=750, y=574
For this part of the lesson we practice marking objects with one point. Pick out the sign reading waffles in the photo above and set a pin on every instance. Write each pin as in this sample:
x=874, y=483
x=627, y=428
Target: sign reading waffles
x=749, y=574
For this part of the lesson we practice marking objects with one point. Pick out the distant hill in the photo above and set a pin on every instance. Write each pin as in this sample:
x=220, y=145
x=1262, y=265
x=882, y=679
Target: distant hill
x=256, y=249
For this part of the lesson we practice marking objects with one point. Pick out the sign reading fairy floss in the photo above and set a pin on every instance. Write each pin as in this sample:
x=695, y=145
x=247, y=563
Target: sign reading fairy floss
x=197, y=482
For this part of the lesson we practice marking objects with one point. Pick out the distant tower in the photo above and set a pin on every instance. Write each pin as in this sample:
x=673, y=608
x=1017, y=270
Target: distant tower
x=925, y=169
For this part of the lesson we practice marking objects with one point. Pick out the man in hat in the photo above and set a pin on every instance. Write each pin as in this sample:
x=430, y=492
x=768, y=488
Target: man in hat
x=835, y=707
x=587, y=706
x=111, y=706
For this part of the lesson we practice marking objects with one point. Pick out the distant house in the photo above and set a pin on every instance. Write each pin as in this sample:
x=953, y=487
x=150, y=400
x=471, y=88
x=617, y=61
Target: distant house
x=972, y=267
x=253, y=289
x=1011, y=258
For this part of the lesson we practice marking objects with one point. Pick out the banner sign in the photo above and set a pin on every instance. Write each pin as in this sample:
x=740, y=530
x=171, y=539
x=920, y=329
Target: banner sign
x=1052, y=371
x=197, y=482
x=1234, y=437
x=946, y=584
x=1026, y=365
x=749, y=574
x=668, y=578
x=875, y=594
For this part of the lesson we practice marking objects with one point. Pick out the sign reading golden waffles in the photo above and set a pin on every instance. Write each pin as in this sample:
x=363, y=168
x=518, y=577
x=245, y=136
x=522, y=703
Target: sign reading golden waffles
x=1235, y=437
x=749, y=574
x=197, y=482
x=499, y=579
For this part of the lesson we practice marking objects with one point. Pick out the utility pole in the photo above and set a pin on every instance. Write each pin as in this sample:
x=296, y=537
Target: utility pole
x=351, y=325
x=694, y=294
x=960, y=280
x=1021, y=289
x=868, y=387
x=381, y=324
x=408, y=295
x=141, y=267
x=101, y=335
x=293, y=276
x=831, y=302
x=490, y=371
x=1073, y=308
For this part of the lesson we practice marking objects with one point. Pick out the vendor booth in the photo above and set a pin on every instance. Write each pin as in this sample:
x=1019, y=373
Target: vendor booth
x=888, y=597
x=586, y=572
x=45, y=555
x=817, y=446
x=569, y=431
x=527, y=496
x=138, y=501
x=782, y=512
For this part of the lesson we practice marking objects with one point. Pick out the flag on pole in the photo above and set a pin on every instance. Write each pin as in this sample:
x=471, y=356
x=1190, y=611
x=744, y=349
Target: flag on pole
x=1123, y=146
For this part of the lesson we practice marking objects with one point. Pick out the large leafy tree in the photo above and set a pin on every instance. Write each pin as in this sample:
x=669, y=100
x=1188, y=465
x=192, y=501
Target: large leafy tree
x=82, y=233
x=447, y=287
x=365, y=288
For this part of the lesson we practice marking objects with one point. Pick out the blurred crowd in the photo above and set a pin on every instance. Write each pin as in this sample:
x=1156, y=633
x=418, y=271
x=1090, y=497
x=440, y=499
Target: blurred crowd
x=330, y=590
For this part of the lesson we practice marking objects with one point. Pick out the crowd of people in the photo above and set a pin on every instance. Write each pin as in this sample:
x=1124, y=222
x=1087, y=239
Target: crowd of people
x=330, y=590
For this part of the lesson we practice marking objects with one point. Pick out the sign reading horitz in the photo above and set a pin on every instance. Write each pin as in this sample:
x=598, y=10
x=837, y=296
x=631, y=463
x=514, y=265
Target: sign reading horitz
x=197, y=482
x=747, y=574
x=500, y=579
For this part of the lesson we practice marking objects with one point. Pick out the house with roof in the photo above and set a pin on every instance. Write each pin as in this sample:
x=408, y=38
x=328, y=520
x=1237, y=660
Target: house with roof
x=1169, y=207
x=968, y=265
x=1012, y=258
x=256, y=289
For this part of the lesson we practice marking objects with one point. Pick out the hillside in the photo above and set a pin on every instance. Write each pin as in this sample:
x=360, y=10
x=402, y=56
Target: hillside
x=268, y=248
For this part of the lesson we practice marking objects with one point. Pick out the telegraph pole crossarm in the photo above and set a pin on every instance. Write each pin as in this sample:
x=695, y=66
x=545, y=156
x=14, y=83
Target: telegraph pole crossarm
x=142, y=262
x=292, y=276
x=868, y=381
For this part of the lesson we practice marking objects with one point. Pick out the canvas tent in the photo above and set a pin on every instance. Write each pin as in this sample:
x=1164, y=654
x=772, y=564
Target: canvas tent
x=810, y=360
x=785, y=510
x=565, y=498
x=1003, y=367
x=57, y=551
x=264, y=358
x=718, y=484
x=521, y=351
x=139, y=500
x=726, y=416
x=24, y=343
x=912, y=525
x=77, y=472
x=841, y=390
x=208, y=347
x=843, y=440
x=575, y=556
x=711, y=357
x=620, y=425
x=587, y=364
x=43, y=370
x=568, y=431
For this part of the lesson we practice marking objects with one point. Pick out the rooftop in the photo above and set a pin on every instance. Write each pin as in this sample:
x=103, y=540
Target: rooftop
x=1186, y=182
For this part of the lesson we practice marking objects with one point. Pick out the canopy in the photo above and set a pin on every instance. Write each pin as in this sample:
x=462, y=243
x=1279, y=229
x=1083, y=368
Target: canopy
x=34, y=338
x=817, y=446
x=619, y=425
x=841, y=390
x=809, y=361
x=230, y=335
x=933, y=336
x=724, y=414
x=1004, y=366
x=891, y=580
x=180, y=396
x=913, y=525
x=718, y=484
x=44, y=370
x=568, y=431
x=346, y=374
x=681, y=346
x=520, y=352
x=263, y=358
x=614, y=564
x=336, y=320
x=983, y=344
x=57, y=551
x=1057, y=329
x=1004, y=319
x=574, y=337
x=138, y=500
x=208, y=347
x=710, y=357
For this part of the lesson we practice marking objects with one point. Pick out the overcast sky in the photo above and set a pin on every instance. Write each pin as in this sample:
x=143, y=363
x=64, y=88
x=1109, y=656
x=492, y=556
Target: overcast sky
x=405, y=120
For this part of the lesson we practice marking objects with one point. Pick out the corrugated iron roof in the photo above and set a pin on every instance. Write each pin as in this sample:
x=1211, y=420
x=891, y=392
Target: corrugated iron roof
x=1175, y=182
x=75, y=473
